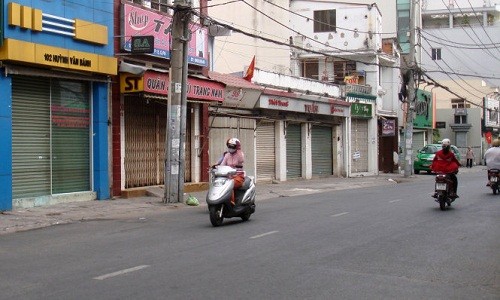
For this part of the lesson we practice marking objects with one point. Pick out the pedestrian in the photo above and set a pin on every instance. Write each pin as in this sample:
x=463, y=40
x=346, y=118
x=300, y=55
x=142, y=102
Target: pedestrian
x=470, y=157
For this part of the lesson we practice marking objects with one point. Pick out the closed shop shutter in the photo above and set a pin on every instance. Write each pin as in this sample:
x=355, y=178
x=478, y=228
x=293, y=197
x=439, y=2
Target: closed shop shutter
x=359, y=145
x=30, y=137
x=222, y=128
x=293, y=151
x=322, y=156
x=266, y=163
x=418, y=141
x=51, y=136
x=145, y=129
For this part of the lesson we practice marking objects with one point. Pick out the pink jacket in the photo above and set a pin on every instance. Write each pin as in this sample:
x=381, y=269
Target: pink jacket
x=234, y=160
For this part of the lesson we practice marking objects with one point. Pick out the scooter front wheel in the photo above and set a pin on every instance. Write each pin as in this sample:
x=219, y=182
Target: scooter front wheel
x=216, y=217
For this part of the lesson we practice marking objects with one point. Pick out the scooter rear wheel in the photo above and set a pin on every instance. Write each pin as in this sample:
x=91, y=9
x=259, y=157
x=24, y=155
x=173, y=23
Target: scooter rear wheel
x=442, y=202
x=246, y=216
x=216, y=217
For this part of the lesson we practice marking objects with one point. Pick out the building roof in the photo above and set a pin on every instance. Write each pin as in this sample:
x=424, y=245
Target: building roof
x=233, y=81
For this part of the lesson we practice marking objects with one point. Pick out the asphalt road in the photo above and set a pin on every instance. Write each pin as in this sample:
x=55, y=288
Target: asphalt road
x=386, y=242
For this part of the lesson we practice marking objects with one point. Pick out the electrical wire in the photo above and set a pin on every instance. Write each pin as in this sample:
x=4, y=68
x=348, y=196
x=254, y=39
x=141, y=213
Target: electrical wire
x=479, y=21
x=471, y=30
x=307, y=18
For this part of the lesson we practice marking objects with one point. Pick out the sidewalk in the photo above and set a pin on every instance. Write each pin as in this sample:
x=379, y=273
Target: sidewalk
x=141, y=207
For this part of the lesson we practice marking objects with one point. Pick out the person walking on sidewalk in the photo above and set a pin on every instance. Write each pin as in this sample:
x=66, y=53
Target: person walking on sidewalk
x=470, y=157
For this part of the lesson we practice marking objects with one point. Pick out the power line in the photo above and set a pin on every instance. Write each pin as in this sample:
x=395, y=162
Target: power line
x=482, y=25
x=307, y=18
x=471, y=30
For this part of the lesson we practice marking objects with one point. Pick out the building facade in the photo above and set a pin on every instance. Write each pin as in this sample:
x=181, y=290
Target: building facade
x=57, y=59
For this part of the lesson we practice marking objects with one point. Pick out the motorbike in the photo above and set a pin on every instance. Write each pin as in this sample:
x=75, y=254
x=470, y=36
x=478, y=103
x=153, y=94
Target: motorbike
x=494, y=176
x=443, y=189
x=219, y=196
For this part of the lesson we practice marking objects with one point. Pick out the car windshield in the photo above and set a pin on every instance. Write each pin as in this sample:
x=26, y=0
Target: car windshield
x=429, y=150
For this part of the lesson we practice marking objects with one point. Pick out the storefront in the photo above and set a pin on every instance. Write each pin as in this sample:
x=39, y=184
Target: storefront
x=144, y=126
x=141, y=101
x=54, y=111
x=363, y=132
x=308, y=132
x=234, y=117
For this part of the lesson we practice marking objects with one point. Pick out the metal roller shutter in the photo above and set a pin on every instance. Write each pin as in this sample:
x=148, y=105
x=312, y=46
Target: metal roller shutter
x=359, y=144
x=145, y=126
x=322, y=145
x=266, y=163
x=30, y=137
x=293, y=151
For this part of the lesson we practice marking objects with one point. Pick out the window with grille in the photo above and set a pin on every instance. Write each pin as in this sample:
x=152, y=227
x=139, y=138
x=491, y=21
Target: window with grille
x=310, y=69
x=325, y=20
x=159, y=5
x=341, y=69
x=436, y=53
x=459, y=103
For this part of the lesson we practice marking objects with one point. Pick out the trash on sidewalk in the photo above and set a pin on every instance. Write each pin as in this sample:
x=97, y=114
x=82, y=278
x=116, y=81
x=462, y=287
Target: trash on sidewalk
x=192, y=201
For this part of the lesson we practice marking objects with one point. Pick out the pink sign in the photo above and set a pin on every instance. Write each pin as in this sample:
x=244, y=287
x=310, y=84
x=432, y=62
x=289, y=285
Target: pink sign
x=158, y=83
x=141, y=22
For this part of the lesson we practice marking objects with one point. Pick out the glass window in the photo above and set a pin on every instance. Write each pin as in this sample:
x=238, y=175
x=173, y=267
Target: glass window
x=436, y=53
x=325, y=20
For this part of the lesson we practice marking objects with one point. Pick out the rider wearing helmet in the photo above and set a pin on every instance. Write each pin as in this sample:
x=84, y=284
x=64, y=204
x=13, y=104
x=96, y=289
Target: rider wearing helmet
x=446, y=162
x=492, y=157
x=235, y=158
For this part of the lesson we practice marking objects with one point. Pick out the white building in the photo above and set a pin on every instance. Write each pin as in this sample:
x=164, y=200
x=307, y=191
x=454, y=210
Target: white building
x=460, y=51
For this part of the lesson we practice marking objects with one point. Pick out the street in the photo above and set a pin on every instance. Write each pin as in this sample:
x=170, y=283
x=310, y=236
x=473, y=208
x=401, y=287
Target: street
x=384, y=242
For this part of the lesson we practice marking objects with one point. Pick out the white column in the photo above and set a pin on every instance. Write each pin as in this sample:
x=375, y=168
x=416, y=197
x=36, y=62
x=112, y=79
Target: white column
x=280, y=150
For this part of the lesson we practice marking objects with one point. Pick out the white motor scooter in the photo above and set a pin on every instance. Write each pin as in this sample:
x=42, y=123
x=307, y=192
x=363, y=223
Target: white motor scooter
x=219, y=196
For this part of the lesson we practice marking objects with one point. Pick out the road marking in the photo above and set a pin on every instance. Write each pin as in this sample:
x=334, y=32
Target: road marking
x=121, y=272
x=397, y=200
x=341, y=214
x=264, y=234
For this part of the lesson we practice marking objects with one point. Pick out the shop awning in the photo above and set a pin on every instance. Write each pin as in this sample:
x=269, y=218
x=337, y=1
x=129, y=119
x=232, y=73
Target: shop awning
x=360, y=96
x=233, y=81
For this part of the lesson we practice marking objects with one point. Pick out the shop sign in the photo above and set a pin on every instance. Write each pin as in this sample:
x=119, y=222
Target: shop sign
x=305, y=106
x=137, y=21
x=423, y=110
x=131, y=83
x=491, y=112
x=361, y=110
x=57, y=57
x=158, y=83
x=440, y=125
x=143, y=44
x=388, y=127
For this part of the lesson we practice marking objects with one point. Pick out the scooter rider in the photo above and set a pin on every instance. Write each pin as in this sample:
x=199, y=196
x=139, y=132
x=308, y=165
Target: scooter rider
x=235, y=158
x=446, y=162
x=492, y=157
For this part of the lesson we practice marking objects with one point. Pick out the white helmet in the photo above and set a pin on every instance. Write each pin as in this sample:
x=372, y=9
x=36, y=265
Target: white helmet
x=445, y=142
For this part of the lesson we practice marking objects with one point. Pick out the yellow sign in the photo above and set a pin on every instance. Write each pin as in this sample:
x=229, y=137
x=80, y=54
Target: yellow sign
x=130, y=83
x=15, y=50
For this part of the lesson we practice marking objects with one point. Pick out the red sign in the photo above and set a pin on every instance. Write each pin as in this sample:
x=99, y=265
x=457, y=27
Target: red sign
x=158, y=83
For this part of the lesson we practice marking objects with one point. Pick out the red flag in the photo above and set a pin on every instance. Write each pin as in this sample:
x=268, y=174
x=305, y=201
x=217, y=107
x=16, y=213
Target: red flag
x=249, y=73
x=488, y=137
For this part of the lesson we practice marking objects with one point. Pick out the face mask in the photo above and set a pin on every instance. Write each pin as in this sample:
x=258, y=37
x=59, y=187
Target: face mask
x=230, y=150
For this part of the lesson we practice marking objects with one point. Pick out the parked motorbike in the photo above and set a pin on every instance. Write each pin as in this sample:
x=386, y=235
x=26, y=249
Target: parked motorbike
x=443, y=189
x=219, y=196
x=494, y=175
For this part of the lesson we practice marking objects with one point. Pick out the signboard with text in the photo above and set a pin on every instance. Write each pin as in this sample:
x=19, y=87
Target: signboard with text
x=423, y=110
x=333, y=107
x=158, y=83
x=141, y=22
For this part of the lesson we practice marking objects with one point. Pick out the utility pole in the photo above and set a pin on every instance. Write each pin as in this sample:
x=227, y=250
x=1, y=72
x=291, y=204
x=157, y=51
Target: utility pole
x=176, y=111
x=410, y=110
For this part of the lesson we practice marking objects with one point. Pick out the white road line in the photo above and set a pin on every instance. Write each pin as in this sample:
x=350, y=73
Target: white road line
x=121, y=272
x=397, y=200
x=341, y=214
x=264, y=234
